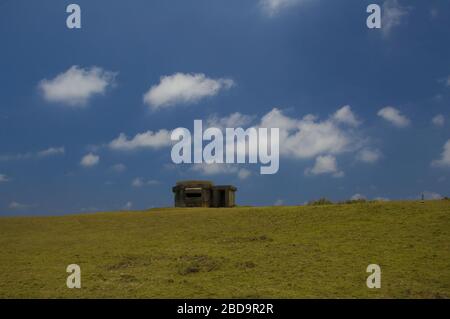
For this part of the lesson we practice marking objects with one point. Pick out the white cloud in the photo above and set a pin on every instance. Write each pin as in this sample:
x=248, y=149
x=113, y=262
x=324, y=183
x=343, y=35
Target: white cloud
x=128, y=205
x=244, y=173
x=181, y=88
x=137, y=182
x=358, y=197
x=214, y=168
x=434, y=13
x=304, y=138
x=368, y=155
x=438, y=120
x=76, y=86
x=218, y=169
x=16, y=157
x=272, y=7
x=394, y=116
x=141, y=182
x=119, y=168
x=90, y=160
x=19, y=206
x=309, y=137
x=430, y=195
x=232, y=121
x=393, y=15
x=444, y=161
x=345, y=115
x=4, y=178
x=147, y=139
x=51, y=151
x=325, y=165
x=279, y=202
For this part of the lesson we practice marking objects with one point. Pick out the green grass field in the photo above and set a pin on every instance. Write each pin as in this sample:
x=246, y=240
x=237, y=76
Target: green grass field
x=268, y=252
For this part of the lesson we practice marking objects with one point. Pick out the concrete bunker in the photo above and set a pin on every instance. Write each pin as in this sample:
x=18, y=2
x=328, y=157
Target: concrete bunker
x=203, y=194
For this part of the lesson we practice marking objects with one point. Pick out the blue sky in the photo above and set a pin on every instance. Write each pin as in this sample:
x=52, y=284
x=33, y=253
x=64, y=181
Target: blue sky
x=363, y=111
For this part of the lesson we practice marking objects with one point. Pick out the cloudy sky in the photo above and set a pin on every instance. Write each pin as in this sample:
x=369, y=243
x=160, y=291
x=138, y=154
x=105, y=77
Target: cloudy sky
x=86, y=115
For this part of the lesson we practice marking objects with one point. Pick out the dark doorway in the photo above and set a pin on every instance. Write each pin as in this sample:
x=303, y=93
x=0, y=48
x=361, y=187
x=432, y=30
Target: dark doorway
x=221, y=200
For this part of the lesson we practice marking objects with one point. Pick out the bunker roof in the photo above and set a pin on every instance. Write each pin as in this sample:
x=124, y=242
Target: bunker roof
x=194, y=182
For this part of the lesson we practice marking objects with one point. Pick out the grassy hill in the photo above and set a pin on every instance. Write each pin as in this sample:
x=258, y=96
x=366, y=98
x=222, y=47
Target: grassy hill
x=291, y=252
